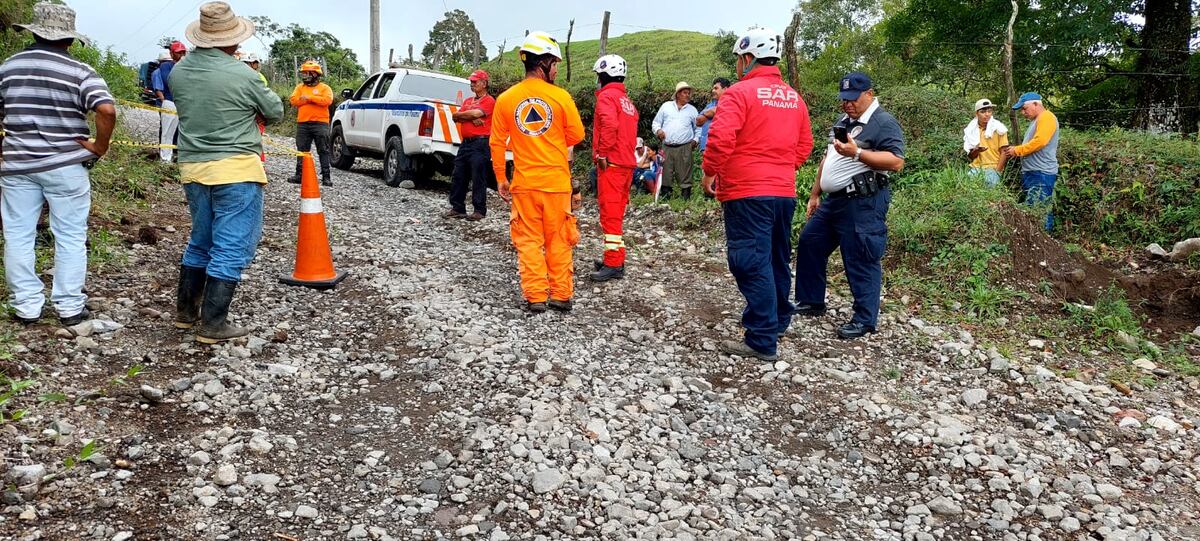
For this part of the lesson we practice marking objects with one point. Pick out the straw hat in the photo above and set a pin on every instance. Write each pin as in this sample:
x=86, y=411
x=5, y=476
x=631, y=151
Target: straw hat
x=218, y=26
x=53, y=22
x=682, y=86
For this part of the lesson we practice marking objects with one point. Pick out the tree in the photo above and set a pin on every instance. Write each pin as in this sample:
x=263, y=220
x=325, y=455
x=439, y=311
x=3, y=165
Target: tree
x=295, y=42
x=1161, y=65
x=453, y=40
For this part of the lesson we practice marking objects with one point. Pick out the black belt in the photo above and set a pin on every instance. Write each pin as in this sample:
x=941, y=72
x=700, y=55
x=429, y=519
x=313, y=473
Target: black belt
x=466, y=139
x=679, y=145
x=860, y=185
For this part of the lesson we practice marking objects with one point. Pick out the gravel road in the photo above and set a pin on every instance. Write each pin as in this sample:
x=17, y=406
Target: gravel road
x=417, y=401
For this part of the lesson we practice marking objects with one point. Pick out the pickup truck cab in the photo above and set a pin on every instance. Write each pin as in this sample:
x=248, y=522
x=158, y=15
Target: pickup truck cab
x=403, y=116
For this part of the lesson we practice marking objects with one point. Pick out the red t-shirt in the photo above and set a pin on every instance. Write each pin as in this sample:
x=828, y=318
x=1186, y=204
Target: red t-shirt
x=469, y=129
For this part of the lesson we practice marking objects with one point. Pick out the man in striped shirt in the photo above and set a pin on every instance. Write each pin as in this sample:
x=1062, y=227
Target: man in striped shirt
x=45, y=96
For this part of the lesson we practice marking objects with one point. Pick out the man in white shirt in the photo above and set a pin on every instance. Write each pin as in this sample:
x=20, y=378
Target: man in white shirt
x=675, y=125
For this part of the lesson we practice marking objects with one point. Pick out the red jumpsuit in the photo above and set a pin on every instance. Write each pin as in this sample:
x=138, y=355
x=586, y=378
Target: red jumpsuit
x=614, y=137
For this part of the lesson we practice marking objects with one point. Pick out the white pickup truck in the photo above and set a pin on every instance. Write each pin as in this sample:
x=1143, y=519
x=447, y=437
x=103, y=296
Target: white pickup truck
x=404, y=117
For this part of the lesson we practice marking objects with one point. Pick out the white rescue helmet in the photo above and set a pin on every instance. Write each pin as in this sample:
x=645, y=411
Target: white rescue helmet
x=611, y=64
x=541, y=43
x=759, y=43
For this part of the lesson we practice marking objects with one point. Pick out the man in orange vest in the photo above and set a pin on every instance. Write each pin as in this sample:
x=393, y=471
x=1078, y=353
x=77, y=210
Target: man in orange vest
x=540, y=121
x=311, y=100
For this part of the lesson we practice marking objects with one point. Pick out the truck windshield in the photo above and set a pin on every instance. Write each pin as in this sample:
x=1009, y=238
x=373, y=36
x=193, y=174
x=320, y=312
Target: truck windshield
x=425, y=87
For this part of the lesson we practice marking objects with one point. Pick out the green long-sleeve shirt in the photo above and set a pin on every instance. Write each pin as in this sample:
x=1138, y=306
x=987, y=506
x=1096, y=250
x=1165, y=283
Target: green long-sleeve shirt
x=218, y=99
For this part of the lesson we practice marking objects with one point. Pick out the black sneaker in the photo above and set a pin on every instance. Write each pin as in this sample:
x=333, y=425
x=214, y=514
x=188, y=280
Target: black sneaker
x=607, y=273
x=810, y=310
x=326, y=181
x=76, y=319
x=561, y=306
x=26, y=321
x=854, y=330
x=535, y=307
x=294, y=179
x=598, y=264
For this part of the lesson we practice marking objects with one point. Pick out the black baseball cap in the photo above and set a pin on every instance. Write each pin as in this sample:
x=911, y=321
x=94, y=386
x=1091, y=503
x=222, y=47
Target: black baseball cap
x=854, y=84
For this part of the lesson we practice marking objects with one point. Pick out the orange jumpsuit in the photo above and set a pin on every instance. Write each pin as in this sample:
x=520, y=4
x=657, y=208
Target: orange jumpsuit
x=539, y=121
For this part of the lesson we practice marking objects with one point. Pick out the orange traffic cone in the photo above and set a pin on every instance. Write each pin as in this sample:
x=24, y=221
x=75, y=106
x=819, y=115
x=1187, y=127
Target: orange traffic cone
x=314, y=261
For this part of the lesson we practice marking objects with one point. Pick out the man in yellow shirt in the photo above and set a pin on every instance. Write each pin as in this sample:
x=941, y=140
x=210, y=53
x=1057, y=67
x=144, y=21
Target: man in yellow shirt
x=984, y=138
x=311, y=98
x=540, y=121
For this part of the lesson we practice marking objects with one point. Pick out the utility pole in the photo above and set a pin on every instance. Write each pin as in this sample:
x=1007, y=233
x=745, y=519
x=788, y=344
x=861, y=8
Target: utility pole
x=604, y=35
x=410, y=58
x=374, y=36
x=475, y=54
x=789, y=51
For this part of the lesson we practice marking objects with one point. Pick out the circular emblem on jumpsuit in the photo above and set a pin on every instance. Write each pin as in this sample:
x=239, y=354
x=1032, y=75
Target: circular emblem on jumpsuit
x=533, y=116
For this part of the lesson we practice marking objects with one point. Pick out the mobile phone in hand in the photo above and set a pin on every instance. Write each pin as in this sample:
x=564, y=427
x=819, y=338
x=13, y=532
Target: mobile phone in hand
x=839, y=133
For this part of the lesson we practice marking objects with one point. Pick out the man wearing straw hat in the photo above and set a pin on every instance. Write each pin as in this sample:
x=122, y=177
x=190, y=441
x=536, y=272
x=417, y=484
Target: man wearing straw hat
x=675, y=125
x=45, y=96
x=219, y=144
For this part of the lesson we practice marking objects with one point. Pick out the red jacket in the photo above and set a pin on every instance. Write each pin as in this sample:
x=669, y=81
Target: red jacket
x=760, y=136
x=614, y=128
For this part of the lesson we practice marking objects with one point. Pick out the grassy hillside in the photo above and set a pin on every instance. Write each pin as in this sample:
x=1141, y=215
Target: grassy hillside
x=674, y=55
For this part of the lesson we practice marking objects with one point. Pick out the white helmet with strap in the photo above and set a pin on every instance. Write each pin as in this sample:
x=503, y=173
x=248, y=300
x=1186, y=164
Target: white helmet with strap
x=759, y=43
x=611, y=64
x=541, y=43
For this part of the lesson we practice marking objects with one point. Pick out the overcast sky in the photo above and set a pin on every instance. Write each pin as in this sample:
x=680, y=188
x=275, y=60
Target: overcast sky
x=134, y=27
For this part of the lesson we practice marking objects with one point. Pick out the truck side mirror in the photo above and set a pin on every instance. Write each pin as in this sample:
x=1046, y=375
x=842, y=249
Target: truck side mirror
x=347, y=93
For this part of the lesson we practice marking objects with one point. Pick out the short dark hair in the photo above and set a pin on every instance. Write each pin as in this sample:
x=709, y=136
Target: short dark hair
x=767, y=61
x=652, y=145
x=65, y=42
x=722, y=81
x=606, y=78
x=532, y=61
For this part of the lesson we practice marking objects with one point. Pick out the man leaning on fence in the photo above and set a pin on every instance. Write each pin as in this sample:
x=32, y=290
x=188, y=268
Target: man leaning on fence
x=219, y=164
x=45, y=96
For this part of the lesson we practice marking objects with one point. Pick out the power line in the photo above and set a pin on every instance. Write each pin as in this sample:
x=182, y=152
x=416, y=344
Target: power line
x=180, y=19
x=143, y=26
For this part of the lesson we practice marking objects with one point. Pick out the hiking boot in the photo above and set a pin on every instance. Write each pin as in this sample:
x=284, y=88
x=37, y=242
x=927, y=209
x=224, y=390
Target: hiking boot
x=189, y=296
x=606, y=273
x=739, y=348
x=810, y=310
x=854, y=330
x=26, y=321
x=474, y=217
x=561, y=306
x=294, y=179
x=453, y=214
x=71, y=321
x=326, y=181
x=598, y=264
x=535, y=307
x=218, y=294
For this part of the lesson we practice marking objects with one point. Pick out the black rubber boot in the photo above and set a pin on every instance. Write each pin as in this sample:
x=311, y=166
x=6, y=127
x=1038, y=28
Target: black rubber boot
x=218, y=294
x=326, y=181
x=189, y=296
x=608, y=273
x=561, y=306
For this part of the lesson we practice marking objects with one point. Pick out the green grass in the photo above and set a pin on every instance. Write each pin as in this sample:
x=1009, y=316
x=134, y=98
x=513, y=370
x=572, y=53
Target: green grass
x=674, y=56
x=1110, y=315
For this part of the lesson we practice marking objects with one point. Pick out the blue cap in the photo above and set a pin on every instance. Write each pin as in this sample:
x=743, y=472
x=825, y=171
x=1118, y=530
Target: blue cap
x=1028, y=96
x=854, y=84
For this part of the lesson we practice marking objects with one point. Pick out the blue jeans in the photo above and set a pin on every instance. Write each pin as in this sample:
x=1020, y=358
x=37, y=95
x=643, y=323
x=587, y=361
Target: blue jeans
x=990, y=176
x=226, y=227
x=1039, y=190
x=758, y=237
x=69, y=193
x=859, y=227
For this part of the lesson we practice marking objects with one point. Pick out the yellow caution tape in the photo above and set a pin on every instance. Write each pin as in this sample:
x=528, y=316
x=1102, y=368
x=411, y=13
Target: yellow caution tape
x=147, y=107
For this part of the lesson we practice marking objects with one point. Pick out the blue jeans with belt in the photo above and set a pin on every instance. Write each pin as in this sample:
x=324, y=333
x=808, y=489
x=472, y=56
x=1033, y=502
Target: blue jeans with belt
x=758, y=237
x=1039, y=190
x=227, y=224
x=857, y=225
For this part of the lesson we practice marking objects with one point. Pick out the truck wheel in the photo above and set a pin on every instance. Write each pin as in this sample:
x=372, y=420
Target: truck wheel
x=397, y=166
x=340, y=154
